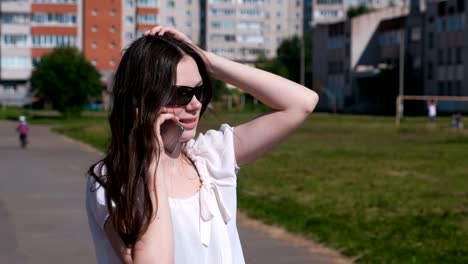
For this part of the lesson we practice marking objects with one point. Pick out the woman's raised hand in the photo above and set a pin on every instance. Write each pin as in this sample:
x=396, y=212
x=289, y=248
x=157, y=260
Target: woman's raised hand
x=160, y=31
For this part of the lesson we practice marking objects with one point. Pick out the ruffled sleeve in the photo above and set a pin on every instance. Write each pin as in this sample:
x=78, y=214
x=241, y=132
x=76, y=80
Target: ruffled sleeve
x=214, y=157
x=216, y=148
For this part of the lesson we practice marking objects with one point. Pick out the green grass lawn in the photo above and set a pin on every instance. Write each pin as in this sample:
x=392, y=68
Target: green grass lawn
x=355, y=183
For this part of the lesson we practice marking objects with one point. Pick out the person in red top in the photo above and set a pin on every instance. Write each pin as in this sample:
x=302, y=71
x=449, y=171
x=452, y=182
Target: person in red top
x=23, y=130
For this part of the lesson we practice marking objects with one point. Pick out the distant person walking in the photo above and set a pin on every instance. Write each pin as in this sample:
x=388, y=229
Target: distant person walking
x=431, y=111
x=23, y=130
x=457, y=120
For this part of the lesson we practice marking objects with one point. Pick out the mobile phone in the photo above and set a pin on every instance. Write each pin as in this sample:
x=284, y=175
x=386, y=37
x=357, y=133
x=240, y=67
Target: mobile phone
x=171, y=132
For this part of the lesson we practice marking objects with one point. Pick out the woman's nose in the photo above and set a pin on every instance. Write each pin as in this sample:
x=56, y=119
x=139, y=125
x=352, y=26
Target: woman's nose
x=194, y=104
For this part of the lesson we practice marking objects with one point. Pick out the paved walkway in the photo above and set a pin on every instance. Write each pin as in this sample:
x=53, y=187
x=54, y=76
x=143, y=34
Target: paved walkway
x=42, y=214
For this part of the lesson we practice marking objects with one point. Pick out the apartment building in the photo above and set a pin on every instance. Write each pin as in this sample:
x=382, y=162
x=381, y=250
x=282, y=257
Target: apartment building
x=446, y=67
x=356, y=62
x=348, y=57
x=15, y=51
x=100, y=29
x=243, y=29
x=330, y=11
x=185, y=15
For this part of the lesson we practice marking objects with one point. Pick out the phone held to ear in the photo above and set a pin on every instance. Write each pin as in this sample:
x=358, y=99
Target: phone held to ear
x=171, y=132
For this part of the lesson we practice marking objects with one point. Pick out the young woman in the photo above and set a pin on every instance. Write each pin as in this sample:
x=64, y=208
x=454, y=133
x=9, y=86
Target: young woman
x=148, y=205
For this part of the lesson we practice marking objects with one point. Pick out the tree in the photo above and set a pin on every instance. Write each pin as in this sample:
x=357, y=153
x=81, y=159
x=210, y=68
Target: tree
x=66, y=79
x=357, y=11
x=272, y=65
x=288, y=60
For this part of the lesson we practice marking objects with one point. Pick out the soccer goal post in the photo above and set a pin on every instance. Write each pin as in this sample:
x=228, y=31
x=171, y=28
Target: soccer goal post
x=401, y=98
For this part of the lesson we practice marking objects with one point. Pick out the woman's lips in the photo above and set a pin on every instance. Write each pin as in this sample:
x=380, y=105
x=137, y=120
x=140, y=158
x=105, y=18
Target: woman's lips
x=188, y=123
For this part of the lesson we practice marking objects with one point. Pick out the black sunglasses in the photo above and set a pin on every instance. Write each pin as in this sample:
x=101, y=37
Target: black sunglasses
x=184, y=94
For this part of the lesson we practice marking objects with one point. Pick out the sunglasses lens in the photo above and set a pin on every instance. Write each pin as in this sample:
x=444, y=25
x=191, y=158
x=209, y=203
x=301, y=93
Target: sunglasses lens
x=184, y=95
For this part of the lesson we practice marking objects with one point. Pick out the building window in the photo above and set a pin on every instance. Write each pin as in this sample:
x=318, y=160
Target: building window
x=112, y=62
x=54, y=18
x=129, y=19
x=112, y=45
x=415, y=34
x=14, y=18
x=94, y=12
x=441, y=87
x=128, y=35
x=15, y=62
x=94, y=45
x=112, y=12
x=430, y=39
x=129, y=3
x=441, y=8
x=112, y=29
x=50, y=41
x=14, y=40
x=94, y=62
x=430, y=71
x=458, y=88
x=461, y=6
x=449, y=56
x=147, y=3
x=458, y=55
x=440, y=56
x=449, y=88
x=170, y=4
x=171, y=21
x=94, y=28
x=147, y=19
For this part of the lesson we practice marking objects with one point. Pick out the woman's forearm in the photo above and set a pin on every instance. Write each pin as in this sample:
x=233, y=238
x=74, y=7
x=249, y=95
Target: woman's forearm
x=277, y=92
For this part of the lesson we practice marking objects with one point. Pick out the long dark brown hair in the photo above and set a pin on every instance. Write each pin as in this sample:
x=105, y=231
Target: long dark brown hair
x=143, y=81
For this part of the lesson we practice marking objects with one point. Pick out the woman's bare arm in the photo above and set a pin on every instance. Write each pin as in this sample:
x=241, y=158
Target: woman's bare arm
x=291, y=104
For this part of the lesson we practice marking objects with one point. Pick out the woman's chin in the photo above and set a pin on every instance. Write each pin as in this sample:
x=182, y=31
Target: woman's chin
x=187, y=135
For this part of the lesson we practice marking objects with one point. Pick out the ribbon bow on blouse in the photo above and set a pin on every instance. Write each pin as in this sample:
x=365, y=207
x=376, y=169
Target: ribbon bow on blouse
x=211, y=202
x=208, y=195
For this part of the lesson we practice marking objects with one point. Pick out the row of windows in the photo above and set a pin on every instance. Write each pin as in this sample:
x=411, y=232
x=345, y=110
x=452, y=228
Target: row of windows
x=237, y=38
x=95, y=62
x=329, y=2
x=389, y=38
x=329, y=13
x=232, y=12
x=15, y=62
x=338, y=42
x=444, y=72
x=450, y=88
x=25, y=62
x=147, y=3
x=298, y=3
x=443, y=8
x=450, y=23
x=147, y=19
x=53, y=40
x=450, y=56
x=55, y=1
x=111, y=45
x=14, y=40
x=335, y=67
x=51, y=18
x=171, y=21
x=239, y=25
x=243, y=51
x=95, y=12
x=14, y=18
x=95, y=28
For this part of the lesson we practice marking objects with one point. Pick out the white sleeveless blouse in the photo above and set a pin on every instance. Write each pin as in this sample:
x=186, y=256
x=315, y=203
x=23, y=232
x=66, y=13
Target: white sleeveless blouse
x=205, y=229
